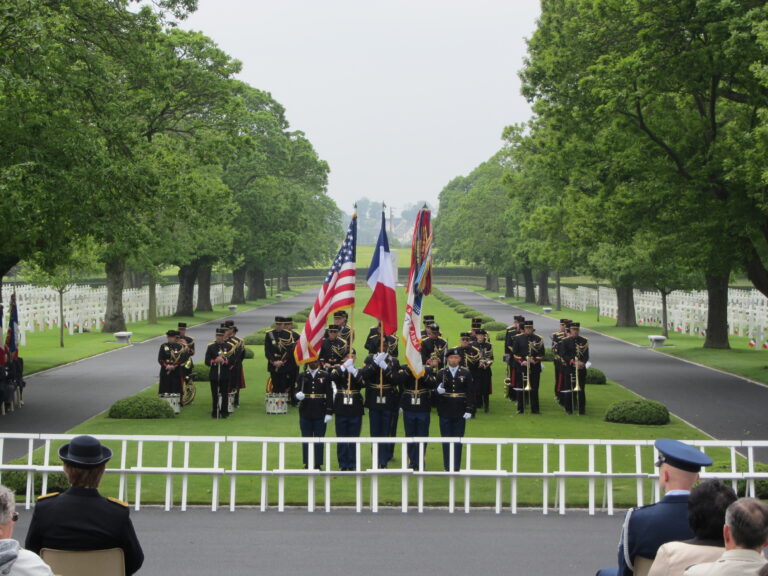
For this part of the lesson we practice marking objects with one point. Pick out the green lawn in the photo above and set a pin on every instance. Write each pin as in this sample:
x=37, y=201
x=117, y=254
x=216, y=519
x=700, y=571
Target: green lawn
x=42, y=350
x=251, y=420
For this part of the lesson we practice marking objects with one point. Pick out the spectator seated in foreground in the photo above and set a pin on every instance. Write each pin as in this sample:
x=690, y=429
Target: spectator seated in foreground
x=14, y=560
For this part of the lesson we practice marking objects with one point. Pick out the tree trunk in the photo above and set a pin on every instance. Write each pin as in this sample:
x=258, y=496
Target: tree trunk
x=238, y=286
x=665, y=330
x=543, y=282
x=625, y=299
x=282, y=283
x=185, y=302
x=558, y=295
x=530, y=292
x=509, y=288
x=256, y=287
x=152, y=289
x=134, y=279
x=114, y=321
x=717, y=319
x=491, y=283
x=204, y=288
x=61, y=318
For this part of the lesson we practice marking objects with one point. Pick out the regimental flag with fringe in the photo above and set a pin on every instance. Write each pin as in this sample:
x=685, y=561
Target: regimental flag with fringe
x=381, y=279
x=419, y=285
x=336, y=293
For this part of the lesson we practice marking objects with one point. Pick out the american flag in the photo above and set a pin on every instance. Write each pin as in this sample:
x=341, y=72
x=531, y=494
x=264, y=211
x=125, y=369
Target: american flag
x=336, y=293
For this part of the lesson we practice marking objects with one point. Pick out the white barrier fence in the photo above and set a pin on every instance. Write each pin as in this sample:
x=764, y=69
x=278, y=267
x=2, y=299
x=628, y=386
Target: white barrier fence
x=85, y=306
x=550, y=463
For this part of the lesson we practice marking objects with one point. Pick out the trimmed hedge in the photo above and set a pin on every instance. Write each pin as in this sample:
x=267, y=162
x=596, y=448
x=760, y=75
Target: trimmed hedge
x=644, y=412
x=461, y=309
x=550, y=357
x=201, y=372
x=501, y=336
x=495, y=326
x=135, y=407
x=248, y=354
x=595, y=376
x=486, y=320
x=256, y=339
x=16, y=480
x=761, y=486
x=299, y=319
x=471, y=314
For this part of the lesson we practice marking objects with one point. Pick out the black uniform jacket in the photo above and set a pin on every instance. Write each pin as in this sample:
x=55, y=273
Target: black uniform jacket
x=459, y=393
x=82, y=519
x=318, y=394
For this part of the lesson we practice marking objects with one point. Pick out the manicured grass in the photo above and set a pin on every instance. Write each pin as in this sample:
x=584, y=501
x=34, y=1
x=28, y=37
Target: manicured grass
x=502, y=422
x=742, y=360
x=42, y=350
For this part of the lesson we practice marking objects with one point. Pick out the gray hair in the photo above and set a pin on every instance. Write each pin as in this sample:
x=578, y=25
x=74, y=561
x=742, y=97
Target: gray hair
x=7, y=504
x=747, y=519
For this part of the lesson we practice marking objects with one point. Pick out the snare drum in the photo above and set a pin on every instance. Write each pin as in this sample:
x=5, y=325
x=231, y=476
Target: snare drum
x=276, y=403
x=231, y=402
x=174, y=401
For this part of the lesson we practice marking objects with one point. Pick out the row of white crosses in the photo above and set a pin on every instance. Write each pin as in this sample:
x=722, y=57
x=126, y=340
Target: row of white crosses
x=85, y=306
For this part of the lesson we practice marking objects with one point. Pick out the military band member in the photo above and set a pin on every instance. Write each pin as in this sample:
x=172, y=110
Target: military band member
x=477, y=324
x=575, y=361
x=236, y=375
x=528, y=352
x=373, y=343
x=416, y=404
x=278, y=349
x=484, y=381
x=428, y=320
x=513, y=332
x=333, y=349
x=455, y=393
x=346, y=333
x=470, y=359
x=189, y=342
x=557, y=338
x=314, y=391
x=291, y=367
x=217, y=357
x=381, y=398
x=348, y=409
x=171, y=357
x=433, y=348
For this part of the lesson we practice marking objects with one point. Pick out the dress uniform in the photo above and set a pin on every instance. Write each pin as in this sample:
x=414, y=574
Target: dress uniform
x=170, y=357
x=236, y=375
x=80, y=518
x=278, y=349
x=557, y=338
x=346, y=333
x=528, y=352
x=189, y=343
x=575, y=357
x=381, y=398
x=455, y=394
x=348, y=409
x=645, y=529
x=333, y=349
x=484, y=381
x=433, y=348
x=416, y=404
x=512, y=332
x=217, y=356
x=373, y=343
x=470, y=359
x=428, y=320
x=314, y=391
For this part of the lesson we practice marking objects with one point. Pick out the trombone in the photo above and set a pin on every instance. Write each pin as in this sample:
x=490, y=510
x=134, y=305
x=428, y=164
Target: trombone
x=527, y=386
x=576, y=386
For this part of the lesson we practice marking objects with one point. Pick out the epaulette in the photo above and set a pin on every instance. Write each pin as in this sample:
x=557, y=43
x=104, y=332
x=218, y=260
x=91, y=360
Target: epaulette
x=116, y=501
x=49, y=495
x=511, y=328
x=214, y=342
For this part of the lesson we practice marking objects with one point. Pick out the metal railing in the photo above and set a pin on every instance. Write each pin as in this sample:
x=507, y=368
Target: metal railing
x=551, y=462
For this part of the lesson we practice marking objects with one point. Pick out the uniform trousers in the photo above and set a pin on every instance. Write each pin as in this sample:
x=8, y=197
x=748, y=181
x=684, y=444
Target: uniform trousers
x=452, y=427
x=415, y=424
x=347, y=427
x=219, y=389
x=312, y=428
x=380, y=422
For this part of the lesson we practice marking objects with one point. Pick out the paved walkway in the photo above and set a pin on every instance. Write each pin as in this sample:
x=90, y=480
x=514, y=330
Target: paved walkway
x=724, y=406
x=61, y=398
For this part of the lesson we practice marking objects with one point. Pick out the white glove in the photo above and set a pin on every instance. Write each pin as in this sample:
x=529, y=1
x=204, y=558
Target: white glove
x=542, y=367
x=327, y=418
x=348, y=363
x=342, y=368
x=467, y=415
x=380, y=357
x=440, y=389
x=588, y=364
x=353, y=371
x=299, y=395
x=401, y=410
x=382, y=364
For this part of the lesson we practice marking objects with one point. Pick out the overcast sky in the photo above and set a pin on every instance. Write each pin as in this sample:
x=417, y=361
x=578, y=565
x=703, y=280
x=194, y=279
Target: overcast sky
x=398, y=96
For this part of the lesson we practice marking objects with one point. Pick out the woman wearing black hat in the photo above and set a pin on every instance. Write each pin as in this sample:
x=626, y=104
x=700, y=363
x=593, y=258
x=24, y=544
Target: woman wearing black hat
x=80, y=518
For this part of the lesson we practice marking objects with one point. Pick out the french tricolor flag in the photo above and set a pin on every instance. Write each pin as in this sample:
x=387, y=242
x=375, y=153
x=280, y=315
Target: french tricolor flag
x=381, y=279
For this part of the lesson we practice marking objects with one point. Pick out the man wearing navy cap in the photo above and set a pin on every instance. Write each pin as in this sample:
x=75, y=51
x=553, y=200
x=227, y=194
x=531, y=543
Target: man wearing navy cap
x=645, y=529
x=80, y=518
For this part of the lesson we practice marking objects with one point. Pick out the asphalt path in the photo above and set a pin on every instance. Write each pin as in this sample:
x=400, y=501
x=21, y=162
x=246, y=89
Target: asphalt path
x=724, y=406
x=434, y=543
x=59, y=399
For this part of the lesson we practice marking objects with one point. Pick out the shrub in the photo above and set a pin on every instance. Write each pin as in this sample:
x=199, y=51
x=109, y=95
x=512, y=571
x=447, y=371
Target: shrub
x=461, y=309
x=141, y=407
x=501, y=336
x=299, y=319
x=471, y=313
x=16, y=480
x=645, y=412
x=549, y=356
x=495, y=326
x=486, y=320
x=761, y=486
x=201, y=372
x=248, y=354
x=256, y=339
x=595, y=376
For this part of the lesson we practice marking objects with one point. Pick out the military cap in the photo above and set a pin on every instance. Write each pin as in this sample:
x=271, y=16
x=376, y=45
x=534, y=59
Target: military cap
x=453, y=352
x=333, y=328
x=182, y=324
x=221, y=330
x=84, y=452
x=279, y=319
x=429, y=318
x=680, y=455
x=480, y=331
x=465, y=335
x=288, y=320
x=435, y=327
x=229, y=323
x=340, y=314
x=172, y=333
x=476, y=323
x=519, y=318
x=575, y=325
x=528, y=323
x=564, y=320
